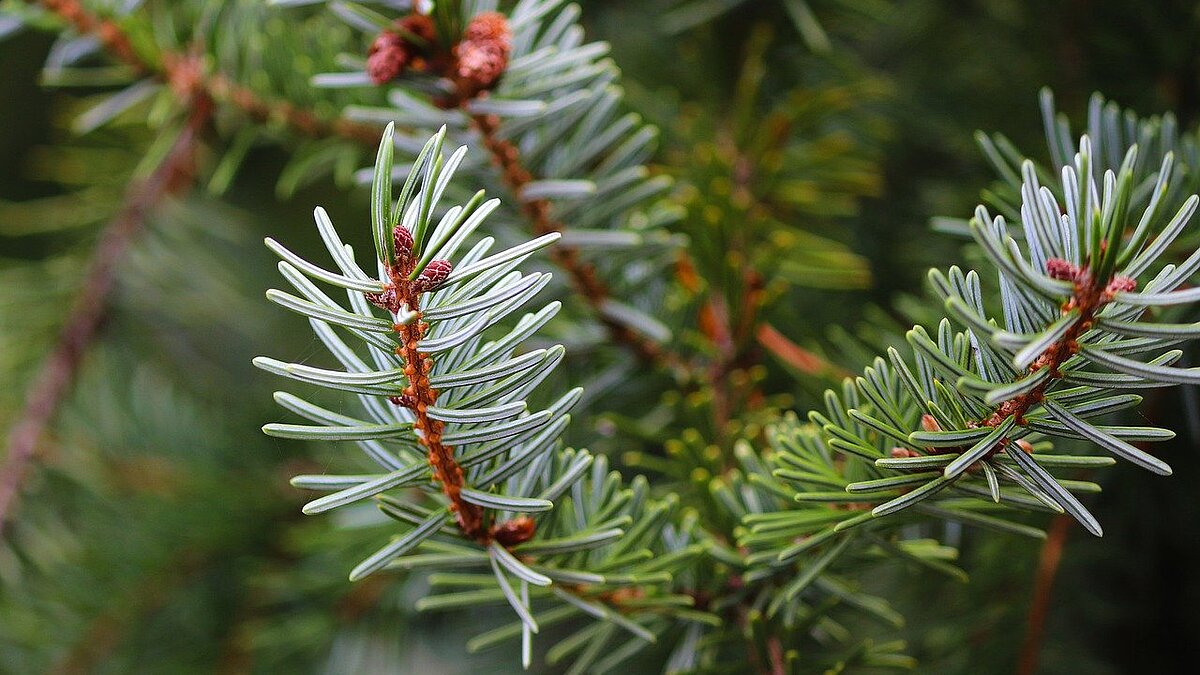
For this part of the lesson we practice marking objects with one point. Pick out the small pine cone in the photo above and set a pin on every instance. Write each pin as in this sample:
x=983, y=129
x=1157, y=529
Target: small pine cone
x=516, y=531
x=387, y=58
x=433, y=275
x=402, y=239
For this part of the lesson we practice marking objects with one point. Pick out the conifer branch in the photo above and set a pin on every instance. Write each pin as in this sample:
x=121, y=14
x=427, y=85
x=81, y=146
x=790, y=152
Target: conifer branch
x=584, y=277
x=186, y=76
x=404, y=294
x=525, y=506
x=53, y=383
x=481, y=61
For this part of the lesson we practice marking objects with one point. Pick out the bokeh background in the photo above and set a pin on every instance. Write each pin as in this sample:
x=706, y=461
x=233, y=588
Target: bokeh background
x=158, y=533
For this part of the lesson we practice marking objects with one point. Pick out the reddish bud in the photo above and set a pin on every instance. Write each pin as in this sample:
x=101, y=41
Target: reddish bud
x=433, y=275
x=483, y=53
x=487, y=26
x=1061, y=269
x=899, y=453
x=385, y=300
x=516, y=531
x=402, y=239
x=1024, y=446
x=1120, y=284
x=928, y=423
x=387, y=57
x=403, y=400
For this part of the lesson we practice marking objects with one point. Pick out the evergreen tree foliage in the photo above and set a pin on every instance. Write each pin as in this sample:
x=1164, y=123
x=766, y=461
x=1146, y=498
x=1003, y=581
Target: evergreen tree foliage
x=566, y=400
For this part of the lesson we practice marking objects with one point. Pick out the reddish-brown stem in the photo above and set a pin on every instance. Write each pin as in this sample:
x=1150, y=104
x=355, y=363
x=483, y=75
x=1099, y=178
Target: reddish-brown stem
x=1047, y=570
x=185, y=74
x=418, y=396
x=53, y=382
x=1089, y=296
x=776, y=656
x=794, y=355
x=583, y=274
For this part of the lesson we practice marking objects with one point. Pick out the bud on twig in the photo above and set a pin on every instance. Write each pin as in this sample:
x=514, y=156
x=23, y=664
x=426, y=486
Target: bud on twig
x=483, y=53
x=433, y=275
x=402, y=241
x=1057, y=268
x=516, y=531
x=387, y=58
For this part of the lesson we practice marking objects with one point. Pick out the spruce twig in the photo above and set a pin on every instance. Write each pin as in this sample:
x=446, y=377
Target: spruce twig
x=583, y=274
x=185, y=75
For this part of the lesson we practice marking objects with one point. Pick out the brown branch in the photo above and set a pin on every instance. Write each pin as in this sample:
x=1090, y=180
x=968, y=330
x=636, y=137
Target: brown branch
x=53, y=383
x=185, y=74
x=1047, y=570
x=1089, y=296
x=794, y=355
x=584, y=275
x=402, y=294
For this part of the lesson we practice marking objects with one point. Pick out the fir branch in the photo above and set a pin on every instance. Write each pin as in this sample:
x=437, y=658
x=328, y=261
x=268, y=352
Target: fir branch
x=1091, y=293
x=53, y=383
x=414, y=47
x=973, y=396
x=185, y=74
x=525, y=507
x=404, y=293
x=584, y=277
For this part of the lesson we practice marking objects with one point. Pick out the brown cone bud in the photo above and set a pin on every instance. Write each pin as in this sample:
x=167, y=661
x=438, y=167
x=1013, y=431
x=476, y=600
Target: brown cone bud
x=402, y=239
x=1121, y=284
x=387, y=58
x=385, y=300
x=1057, y=268
x=483, y=53
x=516, y=531
x=433, y=275
x=487, y=26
